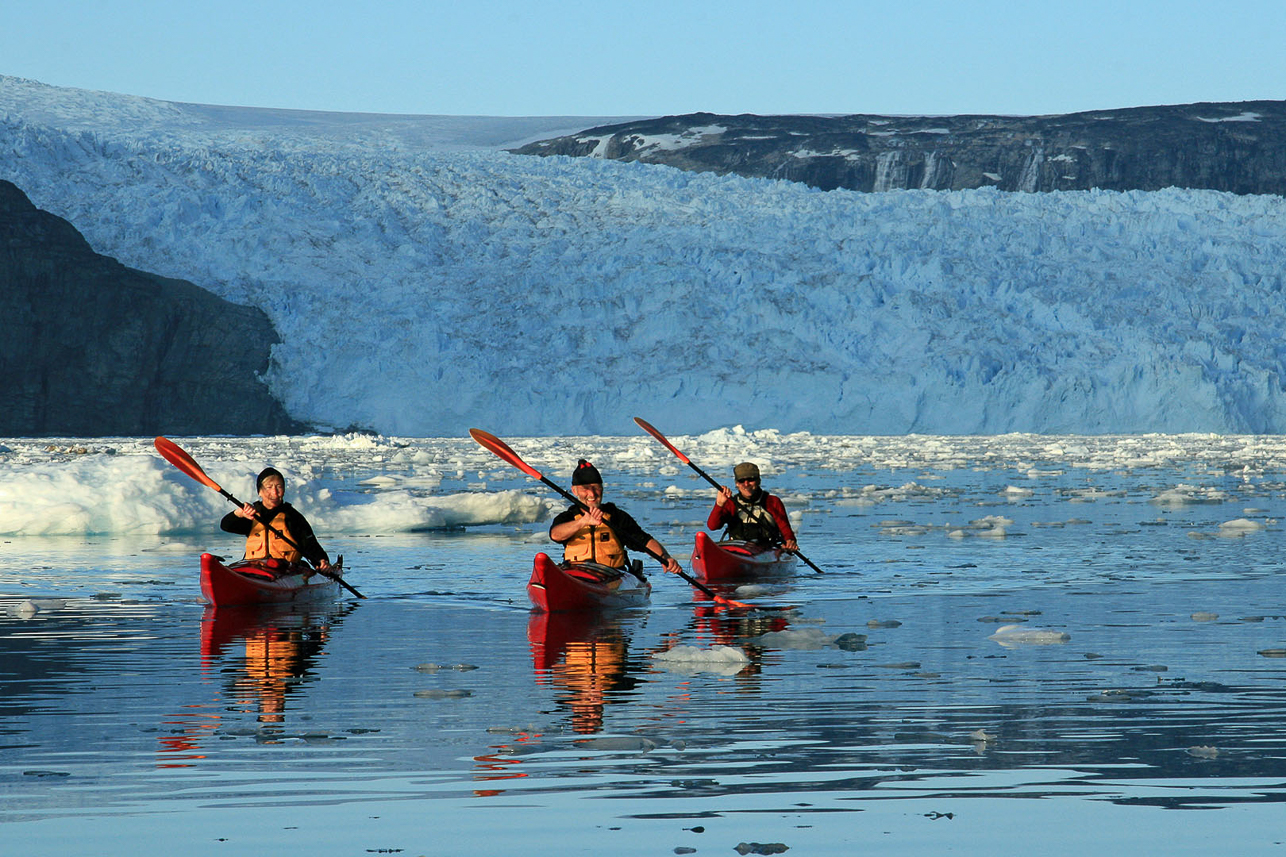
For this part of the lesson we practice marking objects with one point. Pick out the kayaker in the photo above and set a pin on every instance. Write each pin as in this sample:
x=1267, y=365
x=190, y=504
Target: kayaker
x=602, y=532
x=752, y=514
x=272, y=508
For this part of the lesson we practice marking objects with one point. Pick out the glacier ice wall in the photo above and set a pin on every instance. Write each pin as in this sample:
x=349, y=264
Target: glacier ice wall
x=421, y=291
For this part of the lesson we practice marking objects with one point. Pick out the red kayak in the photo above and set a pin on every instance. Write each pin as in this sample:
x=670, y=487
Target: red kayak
x=717, y=562
x=265, y=581
x=555, y=587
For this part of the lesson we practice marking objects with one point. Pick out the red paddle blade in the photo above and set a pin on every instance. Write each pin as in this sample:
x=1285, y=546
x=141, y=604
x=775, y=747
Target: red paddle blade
x=502, y=450
x=174, y=454
x=650, y=429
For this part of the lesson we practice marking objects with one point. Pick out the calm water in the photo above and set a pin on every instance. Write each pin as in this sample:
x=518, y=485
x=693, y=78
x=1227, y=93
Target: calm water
x=439, y=716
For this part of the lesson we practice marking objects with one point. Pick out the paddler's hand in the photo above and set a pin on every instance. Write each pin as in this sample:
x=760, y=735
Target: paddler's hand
x=670, y=564
x=247, y=511
x=791, y=545
x=591, y=517
x=723, y=496
x=324, y=565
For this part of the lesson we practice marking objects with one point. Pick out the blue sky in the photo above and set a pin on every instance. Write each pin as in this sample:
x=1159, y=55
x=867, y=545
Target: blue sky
x=579, y=58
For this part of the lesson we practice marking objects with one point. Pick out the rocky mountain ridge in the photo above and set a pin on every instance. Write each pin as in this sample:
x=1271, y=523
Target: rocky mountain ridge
x=1237, y=147
x=90, y=348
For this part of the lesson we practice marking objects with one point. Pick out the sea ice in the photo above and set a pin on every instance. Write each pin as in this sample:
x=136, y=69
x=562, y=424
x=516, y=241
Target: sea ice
x=1021, y=635
x=724, y=660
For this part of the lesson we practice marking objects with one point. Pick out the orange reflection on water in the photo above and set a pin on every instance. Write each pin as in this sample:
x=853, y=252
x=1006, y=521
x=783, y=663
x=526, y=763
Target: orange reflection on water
x=584, y=655
x=500, y=765
x=278, y=647
x=180, y=749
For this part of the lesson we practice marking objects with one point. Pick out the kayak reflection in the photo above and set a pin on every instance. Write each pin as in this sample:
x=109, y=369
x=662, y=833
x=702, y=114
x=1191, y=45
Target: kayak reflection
x=585, y=656
x=280, y=646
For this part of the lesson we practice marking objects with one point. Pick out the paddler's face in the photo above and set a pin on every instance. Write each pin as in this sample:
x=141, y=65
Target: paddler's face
x=272, y=491
x=591, y=495
x=747, y=487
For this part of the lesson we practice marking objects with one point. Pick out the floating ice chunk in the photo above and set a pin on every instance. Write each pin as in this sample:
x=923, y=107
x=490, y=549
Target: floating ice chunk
x=725, y=660
x=911, y=530
x=803, y=638
x=1089, y=495
x=1185, y=495
x=1020, y=635
x=30, y=607
x=992, y=526
x=752, y=590
x=1013, y=492
x=1239, y=527
x=850, y=642
x=872, y=494
x=1203, y=616
x=1203, y=752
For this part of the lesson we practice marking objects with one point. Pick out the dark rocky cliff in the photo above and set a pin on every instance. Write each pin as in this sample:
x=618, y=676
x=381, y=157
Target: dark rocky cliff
x=89, y=347
x=1238, y=147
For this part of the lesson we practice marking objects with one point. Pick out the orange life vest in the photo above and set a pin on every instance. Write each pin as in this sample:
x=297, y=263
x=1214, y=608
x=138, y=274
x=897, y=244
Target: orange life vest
x=262, y=543
x=595, y=544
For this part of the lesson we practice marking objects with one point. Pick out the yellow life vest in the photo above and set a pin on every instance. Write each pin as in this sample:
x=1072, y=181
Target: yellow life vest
x=262, y=543
x=595, y=544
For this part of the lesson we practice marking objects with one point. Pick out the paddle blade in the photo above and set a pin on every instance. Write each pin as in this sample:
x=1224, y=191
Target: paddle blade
x=502, y=450
x=174, y=454
x=650, y=429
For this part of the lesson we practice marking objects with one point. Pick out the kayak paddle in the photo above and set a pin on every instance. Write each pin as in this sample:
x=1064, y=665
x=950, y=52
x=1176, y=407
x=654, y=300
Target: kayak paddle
x=176, y=455
x=650, y=429
x=502, y=450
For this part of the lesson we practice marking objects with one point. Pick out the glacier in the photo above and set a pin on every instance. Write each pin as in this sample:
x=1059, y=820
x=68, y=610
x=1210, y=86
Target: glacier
x=424, y=280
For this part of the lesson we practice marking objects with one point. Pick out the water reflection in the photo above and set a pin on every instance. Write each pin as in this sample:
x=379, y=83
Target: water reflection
x=280, y=647
x=276, y=650
x=585, y=657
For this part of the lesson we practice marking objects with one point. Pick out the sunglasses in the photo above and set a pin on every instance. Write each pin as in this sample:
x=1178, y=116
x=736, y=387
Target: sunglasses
x=750, y=479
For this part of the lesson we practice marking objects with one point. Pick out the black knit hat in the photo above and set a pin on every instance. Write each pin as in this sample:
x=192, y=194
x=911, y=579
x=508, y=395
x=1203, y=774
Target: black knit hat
x=265, y=473
x=586, y=474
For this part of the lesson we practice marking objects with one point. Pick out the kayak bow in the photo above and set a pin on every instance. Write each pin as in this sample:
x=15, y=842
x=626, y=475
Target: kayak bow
x=264, y=582
x=731, y=561
x=556, y=588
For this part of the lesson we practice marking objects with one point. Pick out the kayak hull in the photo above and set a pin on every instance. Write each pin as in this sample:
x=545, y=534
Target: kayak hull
x=261, y=582
x=557, y=588
x=720, y=562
